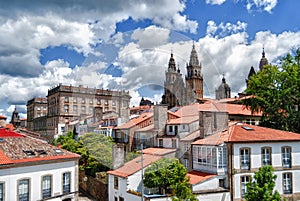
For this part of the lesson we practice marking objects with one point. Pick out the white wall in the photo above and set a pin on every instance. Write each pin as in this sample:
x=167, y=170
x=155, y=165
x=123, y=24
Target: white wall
x=11, y=176
x=224, y=196
x=210, y=184
x=276, y=153
x=276, y=162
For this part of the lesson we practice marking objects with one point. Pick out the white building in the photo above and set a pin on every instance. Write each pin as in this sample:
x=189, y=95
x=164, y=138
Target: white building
x=234, y=154
x=31, y=169
x=124, y=183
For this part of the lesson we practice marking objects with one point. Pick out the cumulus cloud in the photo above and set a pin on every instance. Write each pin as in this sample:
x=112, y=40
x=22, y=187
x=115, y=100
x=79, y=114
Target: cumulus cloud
x=224, y=29
x=215, y=2
x=266, y=5
x=151, y=36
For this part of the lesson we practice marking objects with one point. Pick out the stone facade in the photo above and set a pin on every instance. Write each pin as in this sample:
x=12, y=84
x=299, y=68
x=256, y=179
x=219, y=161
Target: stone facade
x=178, y=93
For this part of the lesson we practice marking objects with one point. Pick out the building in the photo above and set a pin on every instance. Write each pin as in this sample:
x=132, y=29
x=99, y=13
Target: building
x=65, y=104
x=31, y=169
x=223, y=91
x=124, y=182
x=179, y=93
x=230, y=157
x=37, y=110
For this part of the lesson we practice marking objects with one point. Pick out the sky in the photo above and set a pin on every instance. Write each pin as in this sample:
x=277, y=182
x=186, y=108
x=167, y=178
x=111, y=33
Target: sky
x=126, y=45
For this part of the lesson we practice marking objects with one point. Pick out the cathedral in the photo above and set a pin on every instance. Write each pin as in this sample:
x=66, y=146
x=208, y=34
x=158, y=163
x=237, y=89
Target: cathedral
x=179, y=93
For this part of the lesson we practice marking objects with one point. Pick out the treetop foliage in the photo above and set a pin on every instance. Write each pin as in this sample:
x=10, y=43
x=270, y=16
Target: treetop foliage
x=262, y=186
x=275, y=92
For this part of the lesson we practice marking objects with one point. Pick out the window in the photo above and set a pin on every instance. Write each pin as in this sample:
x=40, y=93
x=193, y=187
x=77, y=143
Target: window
x=106, y=102
x=116, y=198
x=287, y=183
x=91, y=100
x=266, y=156
x=186, y=147
x=75, y=109
x=286, y=157
x=23, y=190
x=121, y=199
x=46, y=186
x=170, y=129
x=173, y=143
x=82, y=100
x=186, y=163
x=183, y=127
x=160, y=143
x=91, y=110
x=66, y=109
x=66, y=182
x=245, y=158
x=116, y=182
x=222, y=157
x=99, y=101
x=244, y=181
x=74, y=99
x=113, y=102
x=83, y=109
x=66, y=99
x=222, y=183
x=1, y=191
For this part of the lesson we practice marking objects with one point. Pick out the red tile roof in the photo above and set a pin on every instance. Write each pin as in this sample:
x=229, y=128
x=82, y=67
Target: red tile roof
x=212, y=105
x=134, y=165
x=183, y=120
x=8, y=133
x=3, y=117
x=158, y=151
x=17, y=148
x=133, y=122
x=197, y=177
x=248, y=133
x=191, y=136
x=240, y=133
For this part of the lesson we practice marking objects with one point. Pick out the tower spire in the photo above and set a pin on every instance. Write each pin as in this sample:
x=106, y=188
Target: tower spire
x=172, y=65
x=263, y=60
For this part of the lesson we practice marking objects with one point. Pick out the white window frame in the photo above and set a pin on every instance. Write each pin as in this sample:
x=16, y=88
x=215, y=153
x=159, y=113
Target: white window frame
x=286, y=153
x=287, y=183
x=244, y=180
x=245, y=158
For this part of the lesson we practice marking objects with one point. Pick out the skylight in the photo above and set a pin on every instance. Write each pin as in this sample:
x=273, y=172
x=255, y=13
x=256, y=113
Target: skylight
x=40, y=151
x=247, y=128
x=29, y=152
x=58, y=151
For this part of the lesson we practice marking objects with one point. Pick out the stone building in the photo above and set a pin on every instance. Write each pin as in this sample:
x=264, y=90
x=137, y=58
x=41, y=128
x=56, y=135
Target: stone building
x=177, y=92
x=68, y=103
x=223, y=91
x=37, y=110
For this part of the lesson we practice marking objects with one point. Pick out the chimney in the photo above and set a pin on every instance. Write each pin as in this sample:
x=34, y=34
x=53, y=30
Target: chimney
x=160, y=118
x=118, y=155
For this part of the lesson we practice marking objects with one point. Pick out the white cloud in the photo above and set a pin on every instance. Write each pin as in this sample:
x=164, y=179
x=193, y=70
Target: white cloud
x=151, y=36
x=215, y=2
x=224, y=29
x=266, y=5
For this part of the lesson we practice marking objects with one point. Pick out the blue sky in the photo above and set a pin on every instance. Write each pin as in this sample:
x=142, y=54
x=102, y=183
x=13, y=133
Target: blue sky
x=105, y=43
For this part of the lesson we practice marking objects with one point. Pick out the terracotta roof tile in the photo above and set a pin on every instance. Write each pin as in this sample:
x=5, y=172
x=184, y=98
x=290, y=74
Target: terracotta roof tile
x=184, y=120
x=135, y=121
x=17, y=148
x=191, y=136
x=147, y=128
x=197, y=177
x=158, y=151
x=250, y=133
x=134, y=165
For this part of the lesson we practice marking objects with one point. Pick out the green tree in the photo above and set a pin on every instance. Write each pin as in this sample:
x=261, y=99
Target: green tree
x=276, y=93
x=169, y=175
x=262, y=186
x=87, y=162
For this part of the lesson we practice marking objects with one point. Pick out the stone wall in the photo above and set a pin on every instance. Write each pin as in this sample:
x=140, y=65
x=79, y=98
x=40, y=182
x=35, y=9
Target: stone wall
x=93, y=187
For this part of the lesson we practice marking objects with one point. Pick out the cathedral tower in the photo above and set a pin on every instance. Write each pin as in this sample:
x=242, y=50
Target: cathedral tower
x=194, y=79
x=263, y=61
x=174, y=87
x=223, y=91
